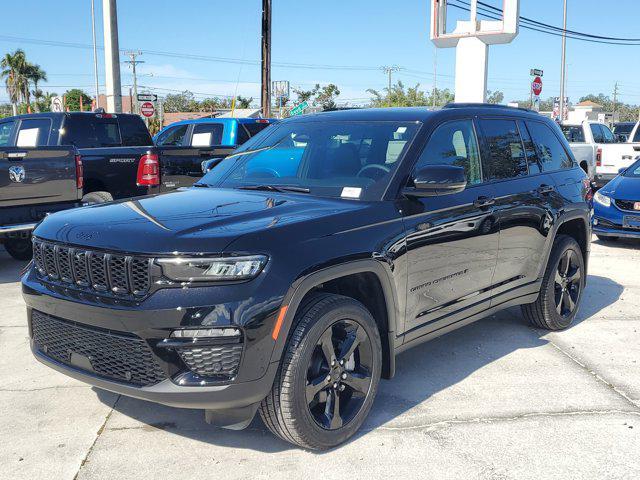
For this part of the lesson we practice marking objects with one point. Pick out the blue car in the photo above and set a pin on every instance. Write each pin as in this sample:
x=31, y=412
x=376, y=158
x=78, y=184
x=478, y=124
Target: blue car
x=617, y=206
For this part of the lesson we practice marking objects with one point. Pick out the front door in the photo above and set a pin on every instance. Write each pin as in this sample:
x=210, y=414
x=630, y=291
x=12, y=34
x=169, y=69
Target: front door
x=452, y=240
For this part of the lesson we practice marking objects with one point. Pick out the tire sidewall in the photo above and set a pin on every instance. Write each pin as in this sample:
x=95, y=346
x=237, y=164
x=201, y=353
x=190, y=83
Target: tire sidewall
x=19, y=248
x=352, y=311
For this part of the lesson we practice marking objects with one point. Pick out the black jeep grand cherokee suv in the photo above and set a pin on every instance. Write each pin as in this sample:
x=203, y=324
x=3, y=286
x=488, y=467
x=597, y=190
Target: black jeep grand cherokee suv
x=289, y=277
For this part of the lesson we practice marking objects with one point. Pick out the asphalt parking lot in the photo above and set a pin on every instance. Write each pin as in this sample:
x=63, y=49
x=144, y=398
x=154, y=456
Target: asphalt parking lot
x=496, y=399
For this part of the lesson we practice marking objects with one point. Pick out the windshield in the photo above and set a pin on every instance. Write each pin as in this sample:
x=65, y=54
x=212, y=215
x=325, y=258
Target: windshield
x=334, y=158
x=633, y=170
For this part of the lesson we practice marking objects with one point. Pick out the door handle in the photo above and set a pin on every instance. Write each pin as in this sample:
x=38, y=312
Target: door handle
x=544, y=189
x=482, y=202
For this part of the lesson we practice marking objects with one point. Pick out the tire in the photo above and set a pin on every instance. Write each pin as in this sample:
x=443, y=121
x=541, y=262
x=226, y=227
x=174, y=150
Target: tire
x=287, y=412
x=560, y=293
x=602, y=238
x=19, y=248
x=97, y=197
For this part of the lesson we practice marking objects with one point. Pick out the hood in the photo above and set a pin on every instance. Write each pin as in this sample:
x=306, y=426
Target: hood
x=623, y=188
x=195, y=220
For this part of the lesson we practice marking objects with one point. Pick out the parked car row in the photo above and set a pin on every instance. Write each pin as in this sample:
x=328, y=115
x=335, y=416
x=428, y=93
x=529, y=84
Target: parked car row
x=288, y=278
x=598, y=151
x=55, y=161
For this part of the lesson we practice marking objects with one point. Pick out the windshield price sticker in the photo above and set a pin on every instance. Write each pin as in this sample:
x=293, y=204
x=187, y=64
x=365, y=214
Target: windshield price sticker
x=351, y=192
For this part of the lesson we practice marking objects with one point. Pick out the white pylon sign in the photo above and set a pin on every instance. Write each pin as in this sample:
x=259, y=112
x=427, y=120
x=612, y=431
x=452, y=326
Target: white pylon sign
x=472, y=39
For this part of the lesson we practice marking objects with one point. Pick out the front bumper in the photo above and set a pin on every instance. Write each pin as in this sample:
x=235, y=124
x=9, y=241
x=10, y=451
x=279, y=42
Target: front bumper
x=150, y=322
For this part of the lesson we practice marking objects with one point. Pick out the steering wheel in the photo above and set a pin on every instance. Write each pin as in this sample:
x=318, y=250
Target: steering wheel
x=263, y=172
x=380, y=170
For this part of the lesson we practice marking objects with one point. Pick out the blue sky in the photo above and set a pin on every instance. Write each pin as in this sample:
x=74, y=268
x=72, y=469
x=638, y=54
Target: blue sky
x=359, y=34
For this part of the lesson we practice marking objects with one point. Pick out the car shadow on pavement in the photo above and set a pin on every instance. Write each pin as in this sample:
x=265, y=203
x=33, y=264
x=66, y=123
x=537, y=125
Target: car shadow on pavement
x=421, y=374
x=10, y=268
x=626, y=243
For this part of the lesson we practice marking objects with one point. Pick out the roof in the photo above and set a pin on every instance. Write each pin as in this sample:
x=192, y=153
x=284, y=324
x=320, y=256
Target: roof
x=410, y=114
x=242, y=113
x=172, y=117
x=224, y=121
x=589, y=103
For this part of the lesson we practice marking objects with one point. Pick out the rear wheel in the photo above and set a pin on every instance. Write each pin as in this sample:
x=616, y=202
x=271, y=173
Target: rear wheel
x=329, y=375
x=19, y=248
x=562, y=285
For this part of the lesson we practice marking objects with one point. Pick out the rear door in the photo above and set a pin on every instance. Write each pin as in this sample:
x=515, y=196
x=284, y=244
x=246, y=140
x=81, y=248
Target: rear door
x=33, y=172
x=524, y=193
x=182, y=150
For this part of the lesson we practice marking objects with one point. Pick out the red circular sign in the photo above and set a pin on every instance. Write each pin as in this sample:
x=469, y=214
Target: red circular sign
x=536, y=86
x=147, y=109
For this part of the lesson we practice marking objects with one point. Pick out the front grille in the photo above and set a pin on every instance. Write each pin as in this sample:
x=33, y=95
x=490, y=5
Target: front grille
x=100, y=272
x=116, y=356
x=214, y=360
x=626, y=204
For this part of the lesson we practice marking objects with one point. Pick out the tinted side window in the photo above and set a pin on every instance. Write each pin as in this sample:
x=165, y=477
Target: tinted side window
x=34, y=132
x=86, y=131
x=133, y=131
x=207, y=134
x=636, y=137
x=573, y=133
x=550, y=151
x=535, y=166
x=242, y=135
x=5, y=133
x=254, y=128
x=508, y=159
x=606, y=133
x=596, y=131
x=173, y=136
x=454, y=143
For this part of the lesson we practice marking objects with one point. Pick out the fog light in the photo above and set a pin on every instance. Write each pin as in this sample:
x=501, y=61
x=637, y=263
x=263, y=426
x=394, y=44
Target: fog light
x=595, y=221
x=206, y=333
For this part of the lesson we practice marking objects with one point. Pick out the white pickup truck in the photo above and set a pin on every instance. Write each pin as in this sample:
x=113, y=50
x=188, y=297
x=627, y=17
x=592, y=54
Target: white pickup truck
x=597, y=151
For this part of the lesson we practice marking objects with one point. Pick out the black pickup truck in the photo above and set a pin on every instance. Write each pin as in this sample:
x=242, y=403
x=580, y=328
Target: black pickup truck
x=55, y=161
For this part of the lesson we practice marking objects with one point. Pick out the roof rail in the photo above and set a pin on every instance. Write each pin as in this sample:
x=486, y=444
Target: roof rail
x=486, y=105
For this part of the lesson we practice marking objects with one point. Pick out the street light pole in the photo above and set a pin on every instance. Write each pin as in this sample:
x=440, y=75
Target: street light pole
x=266, y=59
x=563, y=67
x=95, y=51
x=112, y=56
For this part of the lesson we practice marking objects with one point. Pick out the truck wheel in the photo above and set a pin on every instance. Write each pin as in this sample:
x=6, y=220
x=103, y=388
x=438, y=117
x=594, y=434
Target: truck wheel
x=329, y=374
x=562, y=285
x=97, y=197
x=19, y=248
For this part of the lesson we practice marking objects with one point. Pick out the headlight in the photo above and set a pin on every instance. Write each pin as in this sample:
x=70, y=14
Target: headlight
x=602, y=199
x=183, y=269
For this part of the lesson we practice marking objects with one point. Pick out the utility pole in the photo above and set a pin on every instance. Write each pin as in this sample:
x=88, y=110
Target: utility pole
x=435, y=75
x=266, y=59
x=615, y=100
x=112, y=56
x=563, y=68
x=133, y=62
x=95, y=51
x=388, y=71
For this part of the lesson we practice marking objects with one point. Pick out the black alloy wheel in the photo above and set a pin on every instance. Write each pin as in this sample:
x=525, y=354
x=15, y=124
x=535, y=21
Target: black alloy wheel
x=567, y=284
x=339, y=374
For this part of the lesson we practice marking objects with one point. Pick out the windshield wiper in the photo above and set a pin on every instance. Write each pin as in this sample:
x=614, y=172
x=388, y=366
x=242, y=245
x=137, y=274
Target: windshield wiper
x=275, y=188
x=201, y=185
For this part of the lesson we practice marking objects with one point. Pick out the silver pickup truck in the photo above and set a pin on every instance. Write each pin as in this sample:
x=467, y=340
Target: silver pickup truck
x=597, y=150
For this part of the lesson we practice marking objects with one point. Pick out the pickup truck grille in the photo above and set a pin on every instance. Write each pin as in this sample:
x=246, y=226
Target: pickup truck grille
x=100, y=272
x=626, y=204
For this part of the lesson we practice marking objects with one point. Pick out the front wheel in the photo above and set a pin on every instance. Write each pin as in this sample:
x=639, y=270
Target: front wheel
x=561, y=290
x=329, y=375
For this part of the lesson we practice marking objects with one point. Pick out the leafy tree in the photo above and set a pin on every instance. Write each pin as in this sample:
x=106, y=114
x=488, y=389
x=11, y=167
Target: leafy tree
x=243, y=102
x=36, y=75
x=14, y=70
x=178, y=102
x=72, y=100
x=319, y=96
x=306, y=95
x=399, y=96
x=495, y=97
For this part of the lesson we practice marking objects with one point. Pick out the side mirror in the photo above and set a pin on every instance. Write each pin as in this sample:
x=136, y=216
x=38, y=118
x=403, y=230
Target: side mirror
x=209, y=164
x=622, y=170
x=434, y=180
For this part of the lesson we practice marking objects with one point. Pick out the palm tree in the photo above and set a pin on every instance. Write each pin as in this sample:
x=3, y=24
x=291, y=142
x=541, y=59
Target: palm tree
x=13, y=71
x=35, y=74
